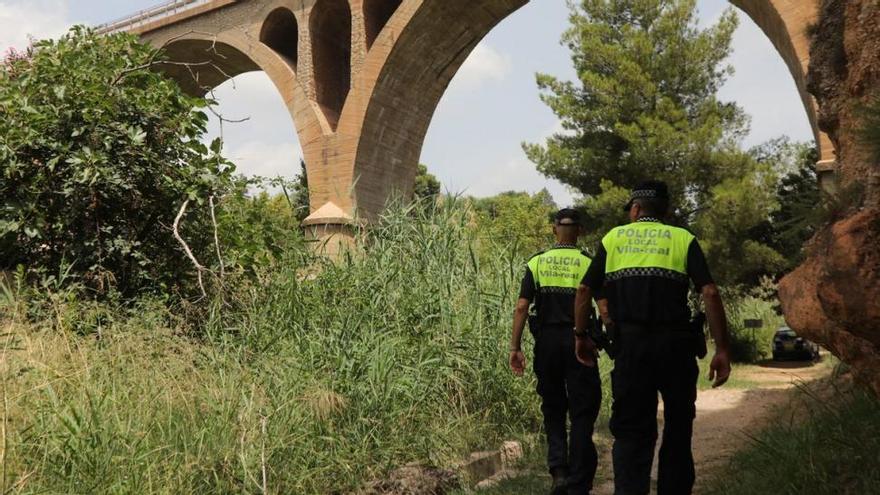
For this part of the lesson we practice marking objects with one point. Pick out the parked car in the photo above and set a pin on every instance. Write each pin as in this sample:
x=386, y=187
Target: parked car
x=787, y=345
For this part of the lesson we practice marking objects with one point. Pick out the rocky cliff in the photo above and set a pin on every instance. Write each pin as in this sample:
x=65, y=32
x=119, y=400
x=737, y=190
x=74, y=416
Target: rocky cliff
x=834, y=297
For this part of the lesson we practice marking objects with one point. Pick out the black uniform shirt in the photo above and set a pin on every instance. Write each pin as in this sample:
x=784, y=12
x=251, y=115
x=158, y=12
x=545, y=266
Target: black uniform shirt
x=554, y=308
x=649, y=300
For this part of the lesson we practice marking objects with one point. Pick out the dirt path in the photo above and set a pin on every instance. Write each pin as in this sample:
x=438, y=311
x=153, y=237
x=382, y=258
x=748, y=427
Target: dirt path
x=724, y=415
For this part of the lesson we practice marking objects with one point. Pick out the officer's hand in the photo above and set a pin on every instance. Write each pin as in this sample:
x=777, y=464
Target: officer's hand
x=517, y=362
x=719, y=369
x=586, y=352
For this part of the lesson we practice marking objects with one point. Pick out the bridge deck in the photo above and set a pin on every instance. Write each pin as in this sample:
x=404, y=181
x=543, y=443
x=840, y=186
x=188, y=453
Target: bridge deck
x=150, y=15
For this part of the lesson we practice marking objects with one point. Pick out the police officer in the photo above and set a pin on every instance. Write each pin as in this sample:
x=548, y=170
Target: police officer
x=567, y=387
x=644, y=269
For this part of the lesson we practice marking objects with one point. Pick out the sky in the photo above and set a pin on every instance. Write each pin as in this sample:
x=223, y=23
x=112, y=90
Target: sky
x=474, y=143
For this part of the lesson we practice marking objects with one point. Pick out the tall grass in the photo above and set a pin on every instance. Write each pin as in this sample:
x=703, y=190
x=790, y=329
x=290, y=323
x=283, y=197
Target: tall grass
x=311, y=380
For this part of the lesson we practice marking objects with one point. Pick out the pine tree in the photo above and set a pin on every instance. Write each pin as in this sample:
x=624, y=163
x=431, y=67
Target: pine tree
x=645, y=104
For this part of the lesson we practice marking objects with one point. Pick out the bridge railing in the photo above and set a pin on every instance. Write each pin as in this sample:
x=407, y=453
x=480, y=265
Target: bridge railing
x=149, y=15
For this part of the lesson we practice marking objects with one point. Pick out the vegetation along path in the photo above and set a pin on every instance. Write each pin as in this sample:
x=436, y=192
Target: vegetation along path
x=727, y=418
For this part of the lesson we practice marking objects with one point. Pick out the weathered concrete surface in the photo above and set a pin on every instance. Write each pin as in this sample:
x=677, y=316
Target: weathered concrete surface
x=834, y=298
x=362, y=78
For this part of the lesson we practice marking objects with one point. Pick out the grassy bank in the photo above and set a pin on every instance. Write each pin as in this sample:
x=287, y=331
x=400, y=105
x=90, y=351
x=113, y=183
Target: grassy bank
x=832, y=450
x=303, y=380
x=301, y=376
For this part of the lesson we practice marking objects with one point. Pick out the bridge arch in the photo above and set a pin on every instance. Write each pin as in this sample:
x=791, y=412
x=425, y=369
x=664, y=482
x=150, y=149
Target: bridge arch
x=377, y=13
x=201, y=62
x=368, y=75
x=280, y=32
x=440, y=36
x=331, y=34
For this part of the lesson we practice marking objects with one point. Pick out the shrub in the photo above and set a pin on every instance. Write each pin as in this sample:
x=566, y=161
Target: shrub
x=97, y=154
x=322, y=375
x=833, y=451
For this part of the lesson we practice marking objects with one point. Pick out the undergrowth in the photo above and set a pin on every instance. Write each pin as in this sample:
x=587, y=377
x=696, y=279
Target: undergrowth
x=834, y=450
x=308, y=379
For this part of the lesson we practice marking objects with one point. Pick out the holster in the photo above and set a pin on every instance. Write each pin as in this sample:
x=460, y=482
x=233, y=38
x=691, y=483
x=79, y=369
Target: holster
x=697, y=327
x=604, y=339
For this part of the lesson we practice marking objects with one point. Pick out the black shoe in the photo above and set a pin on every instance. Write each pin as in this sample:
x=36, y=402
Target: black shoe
x=560, y=481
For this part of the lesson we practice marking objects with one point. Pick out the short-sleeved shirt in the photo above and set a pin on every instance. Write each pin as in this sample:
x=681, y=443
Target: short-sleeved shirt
x=553, y=291
x=648, y=296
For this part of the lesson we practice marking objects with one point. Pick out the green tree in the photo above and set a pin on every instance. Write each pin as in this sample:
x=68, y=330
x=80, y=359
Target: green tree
x=517, y=218
x=645, y=106
x=737, y=207
x=427, y=185
x=97, y=154
x=257, y=230
x=800, y=205
x=297, y=192
x=645, y=103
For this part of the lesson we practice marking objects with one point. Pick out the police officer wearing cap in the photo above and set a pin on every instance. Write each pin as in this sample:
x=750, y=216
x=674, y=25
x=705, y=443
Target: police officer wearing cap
x=568, y=388
x=644, y=269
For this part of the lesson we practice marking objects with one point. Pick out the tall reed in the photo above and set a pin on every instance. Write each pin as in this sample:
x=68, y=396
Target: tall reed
x=312, y=380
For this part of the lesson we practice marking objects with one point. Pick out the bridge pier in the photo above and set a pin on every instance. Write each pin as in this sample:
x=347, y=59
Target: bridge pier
x=329, y=230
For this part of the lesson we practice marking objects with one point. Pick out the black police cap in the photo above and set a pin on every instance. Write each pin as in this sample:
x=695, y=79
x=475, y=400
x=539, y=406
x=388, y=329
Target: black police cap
x=649, y=189
x=570, y=214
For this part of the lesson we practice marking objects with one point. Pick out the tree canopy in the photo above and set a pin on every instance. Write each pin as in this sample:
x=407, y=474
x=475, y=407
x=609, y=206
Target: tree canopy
x=97, y=154
x=427, y=185
x=645, y=103
x=518, y=219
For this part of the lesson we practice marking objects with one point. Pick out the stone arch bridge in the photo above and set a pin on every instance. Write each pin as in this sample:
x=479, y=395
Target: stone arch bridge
x=362, y=78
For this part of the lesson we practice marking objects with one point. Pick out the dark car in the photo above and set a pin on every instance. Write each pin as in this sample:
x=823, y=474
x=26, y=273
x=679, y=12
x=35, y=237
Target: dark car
x=787, y=345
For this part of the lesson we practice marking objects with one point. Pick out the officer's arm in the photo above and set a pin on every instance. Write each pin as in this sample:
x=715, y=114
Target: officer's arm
x=585, y=348
x=520, y=315
x=591, y=286
x=604, y=313
x=716, y=316
x=719, y=368
x=698, y=269
x=582, y=308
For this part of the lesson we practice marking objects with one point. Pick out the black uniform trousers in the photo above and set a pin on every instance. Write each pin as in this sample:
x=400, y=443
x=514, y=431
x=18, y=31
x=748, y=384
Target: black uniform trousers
x=651, y=360
x=568, y=389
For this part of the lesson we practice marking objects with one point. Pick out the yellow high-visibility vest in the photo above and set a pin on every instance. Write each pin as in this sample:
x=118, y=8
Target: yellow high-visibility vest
x=559, y=269
x=647, y=249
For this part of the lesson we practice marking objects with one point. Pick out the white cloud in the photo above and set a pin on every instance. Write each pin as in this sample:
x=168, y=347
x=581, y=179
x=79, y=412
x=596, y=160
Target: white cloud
x=519, y=174
x=21, y=21
x=515, y=173
x=268, y=160
x=484, y=64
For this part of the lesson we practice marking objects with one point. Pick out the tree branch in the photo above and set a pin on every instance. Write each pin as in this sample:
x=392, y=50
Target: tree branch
x=216, y=237
x=189, y=253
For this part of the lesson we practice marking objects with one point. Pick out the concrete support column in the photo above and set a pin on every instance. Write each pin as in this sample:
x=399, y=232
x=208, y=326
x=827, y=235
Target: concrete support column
x=329, y=230
x=826, y=172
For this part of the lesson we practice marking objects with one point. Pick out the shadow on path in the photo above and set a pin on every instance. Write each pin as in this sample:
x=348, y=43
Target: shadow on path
x=728, y=419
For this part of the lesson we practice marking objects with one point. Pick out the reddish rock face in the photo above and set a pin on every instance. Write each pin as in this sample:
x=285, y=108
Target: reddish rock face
x=834, y=297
